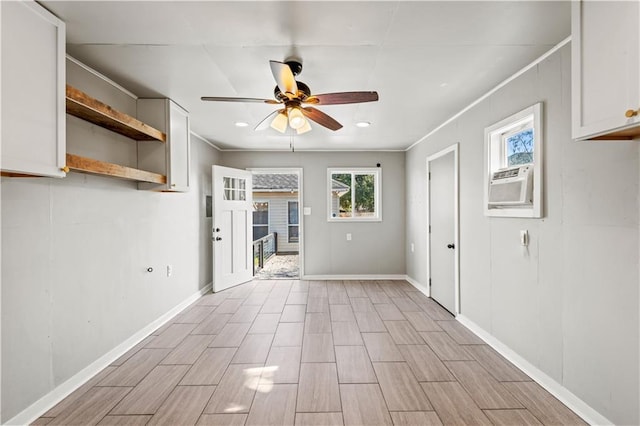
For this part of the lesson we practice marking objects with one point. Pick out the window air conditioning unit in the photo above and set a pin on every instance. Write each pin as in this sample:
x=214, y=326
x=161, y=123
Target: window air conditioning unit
x=511, y=187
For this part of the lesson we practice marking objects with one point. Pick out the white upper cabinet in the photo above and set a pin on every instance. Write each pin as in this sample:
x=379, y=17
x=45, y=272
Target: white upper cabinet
x=605, y=70
x=33, y=90
x=173, y=158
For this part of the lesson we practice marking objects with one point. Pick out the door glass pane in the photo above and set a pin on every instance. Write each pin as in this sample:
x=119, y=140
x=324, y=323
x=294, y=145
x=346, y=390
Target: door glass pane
x=293, y=212
x=242, y=195
x=365, y=195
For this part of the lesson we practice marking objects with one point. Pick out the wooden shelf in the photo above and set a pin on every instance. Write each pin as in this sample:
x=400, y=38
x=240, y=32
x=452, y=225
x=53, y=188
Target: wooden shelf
x=83, y=106
x=89, y=165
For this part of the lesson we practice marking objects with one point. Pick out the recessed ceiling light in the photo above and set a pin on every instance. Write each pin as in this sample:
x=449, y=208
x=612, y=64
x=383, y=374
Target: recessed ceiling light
x=363, y=124
x=241, y=124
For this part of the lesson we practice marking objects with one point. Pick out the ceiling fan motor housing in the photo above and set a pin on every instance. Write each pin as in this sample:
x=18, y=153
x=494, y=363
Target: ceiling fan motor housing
x=295, y=65
x=303, y=92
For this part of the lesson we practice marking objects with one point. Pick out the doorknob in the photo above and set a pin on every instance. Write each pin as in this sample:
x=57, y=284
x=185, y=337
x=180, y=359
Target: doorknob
x=451, y=246
x=217, y=230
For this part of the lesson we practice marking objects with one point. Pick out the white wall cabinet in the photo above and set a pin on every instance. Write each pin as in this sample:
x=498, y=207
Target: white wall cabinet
x=605, y=70
x=33, y=91
x=173, y=158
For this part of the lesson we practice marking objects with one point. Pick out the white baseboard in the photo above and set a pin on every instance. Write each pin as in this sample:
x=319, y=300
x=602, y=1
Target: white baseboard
x=44, y=404
x=563, y=394
x=355, y=277
x=423, y=288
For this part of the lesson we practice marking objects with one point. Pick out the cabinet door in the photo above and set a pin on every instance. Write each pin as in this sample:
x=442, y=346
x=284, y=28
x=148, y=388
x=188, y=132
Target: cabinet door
x=179, y=148
x=605, y=66
x=33, y=90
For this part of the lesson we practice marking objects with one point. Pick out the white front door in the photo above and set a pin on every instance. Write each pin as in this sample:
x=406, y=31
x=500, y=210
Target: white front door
x=232, y=227
x=442, y=219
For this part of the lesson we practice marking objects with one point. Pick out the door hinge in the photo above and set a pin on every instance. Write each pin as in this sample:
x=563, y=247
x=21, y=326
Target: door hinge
x=429, y=282
x=429, y=228
x=429, y=175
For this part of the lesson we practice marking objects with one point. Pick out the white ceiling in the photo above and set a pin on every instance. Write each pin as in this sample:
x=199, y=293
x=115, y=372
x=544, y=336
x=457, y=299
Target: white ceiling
x=427, y=60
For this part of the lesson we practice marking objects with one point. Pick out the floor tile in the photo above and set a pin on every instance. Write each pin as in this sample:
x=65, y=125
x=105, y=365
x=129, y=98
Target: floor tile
x=65, y=403
x=317, y=304
x=317, y=323
x=254, y=349
x=229, y=306
x=363, y=404
x=542, y=404
x=231, y=335
x=91, y=407
x=425, y=364
x=342, y=313
x=295, y=298
x=501, y=369
x=369, y=322
x=354, y=365
x=486, y=391
x=131, y=352
x=381, y=347
x=318, y=347
x=212, y=324
x=245, y=313
x=400, y=388
x=453, y=405
x=235, y=392
x=362, y=304
x=445, y=347
x=300, y=286
x=125, y=420
x=210, y=367
x=459, y=333
x=195, y=314
x=379, y=297
x=435, y=311
x=346, y=333
x=338, y=297
x=171, y=337
x=415, y=418
x=319, y=419
x=355, y=289
x=135, y=368
x=512, y=417
x=293, y=313
x=273, y=405
x=283, y=365
x=183, y=406
x=318, y=388
x=265, y=324
x=256, y=299
x=273, y=305
x=222, y=420
x=389, y=312
x=288, y=334
x=315, y=292
x=405, y=304
x=403, y=333
x=422, y=322
x=147, y=397
x=189, y=350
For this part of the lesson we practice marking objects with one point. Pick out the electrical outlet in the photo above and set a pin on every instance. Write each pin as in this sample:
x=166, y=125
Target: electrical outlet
x=169, y=270
x=349, y=237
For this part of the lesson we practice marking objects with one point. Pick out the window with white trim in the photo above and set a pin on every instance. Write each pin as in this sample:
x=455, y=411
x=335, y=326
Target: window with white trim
x=354, y=194
x=260, y=219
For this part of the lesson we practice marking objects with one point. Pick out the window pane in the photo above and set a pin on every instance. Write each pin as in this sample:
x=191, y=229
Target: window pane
x=260, y=231
x=365, y=196
x=242, y=195
x=519, y=148
x=341, y=195
x=293, y=212
x=242, y=183
x=261, y=213
x=293, y=234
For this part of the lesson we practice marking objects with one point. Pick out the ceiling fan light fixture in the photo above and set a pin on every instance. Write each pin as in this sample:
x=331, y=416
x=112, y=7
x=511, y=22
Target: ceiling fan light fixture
x=296, y=118
x=279, y=123
x=305, y=128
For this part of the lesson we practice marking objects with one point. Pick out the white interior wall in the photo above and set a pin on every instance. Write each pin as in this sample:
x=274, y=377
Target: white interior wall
x=569, y=304
x=76, y=250
x=377, y=248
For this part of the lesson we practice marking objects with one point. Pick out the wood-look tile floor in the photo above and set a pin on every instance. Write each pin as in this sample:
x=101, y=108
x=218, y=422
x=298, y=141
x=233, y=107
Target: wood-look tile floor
x=290, y=352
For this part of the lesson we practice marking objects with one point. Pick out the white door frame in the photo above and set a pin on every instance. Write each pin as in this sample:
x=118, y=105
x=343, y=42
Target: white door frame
x=456, y=221
x=299, y=171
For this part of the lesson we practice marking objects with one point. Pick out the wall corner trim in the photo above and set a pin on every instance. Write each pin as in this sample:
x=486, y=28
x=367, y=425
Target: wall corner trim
x=48, y=401
x=563, y=394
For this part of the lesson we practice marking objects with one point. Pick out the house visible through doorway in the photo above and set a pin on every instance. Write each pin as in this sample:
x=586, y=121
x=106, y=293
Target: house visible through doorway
x=277, y=228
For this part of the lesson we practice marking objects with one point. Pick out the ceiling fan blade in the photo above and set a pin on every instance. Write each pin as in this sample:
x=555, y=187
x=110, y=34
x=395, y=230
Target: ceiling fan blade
x=342, y=98
x=225, y=99
x=284, y=78
x=264, y=124
x=321, y=118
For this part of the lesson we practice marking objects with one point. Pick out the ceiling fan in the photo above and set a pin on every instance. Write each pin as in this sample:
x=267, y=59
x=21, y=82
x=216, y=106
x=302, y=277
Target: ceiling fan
x=294, y=96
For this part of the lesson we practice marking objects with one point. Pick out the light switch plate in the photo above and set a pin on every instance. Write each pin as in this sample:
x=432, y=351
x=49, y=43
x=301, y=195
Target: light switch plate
x=306, y=211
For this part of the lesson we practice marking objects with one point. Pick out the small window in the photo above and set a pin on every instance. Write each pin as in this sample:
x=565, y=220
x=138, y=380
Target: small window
x=518, y=145
x=260, y=219
x=354, y=194
x=235, y=189
x=293, y=223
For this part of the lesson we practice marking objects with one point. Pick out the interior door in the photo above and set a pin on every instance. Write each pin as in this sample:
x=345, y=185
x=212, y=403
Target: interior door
x=232, y=227
x=442, y=237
